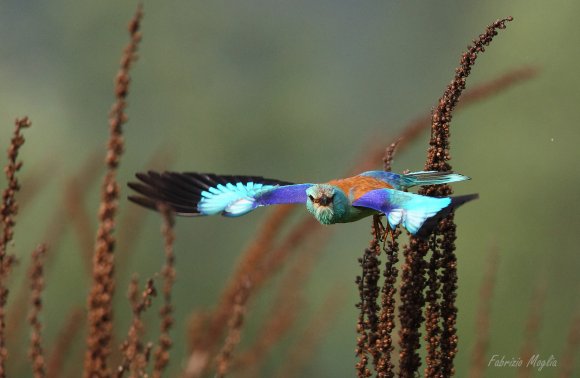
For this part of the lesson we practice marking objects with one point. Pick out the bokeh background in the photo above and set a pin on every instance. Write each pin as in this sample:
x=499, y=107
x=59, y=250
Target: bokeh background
x=295, y=90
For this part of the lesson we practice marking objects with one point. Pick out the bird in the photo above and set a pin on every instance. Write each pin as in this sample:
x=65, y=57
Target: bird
x=337, y=201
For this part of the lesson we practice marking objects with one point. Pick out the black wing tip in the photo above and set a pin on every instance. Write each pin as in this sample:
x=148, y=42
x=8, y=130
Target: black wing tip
x=154, y=188
x=427, y=228
x=136, y=186
x=143, y=201
x=154, y=205
x=460, y=200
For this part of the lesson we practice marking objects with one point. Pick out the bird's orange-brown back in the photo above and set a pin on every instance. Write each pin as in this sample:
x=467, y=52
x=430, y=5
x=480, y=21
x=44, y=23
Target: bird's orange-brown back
x=356, y=186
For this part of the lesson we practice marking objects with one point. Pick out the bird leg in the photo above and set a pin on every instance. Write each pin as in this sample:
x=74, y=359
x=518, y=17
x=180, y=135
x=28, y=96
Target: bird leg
x=392, y=232
x=382, y=230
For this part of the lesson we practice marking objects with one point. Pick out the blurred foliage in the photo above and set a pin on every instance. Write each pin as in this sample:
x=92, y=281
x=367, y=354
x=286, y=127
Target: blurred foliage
x=295, y=91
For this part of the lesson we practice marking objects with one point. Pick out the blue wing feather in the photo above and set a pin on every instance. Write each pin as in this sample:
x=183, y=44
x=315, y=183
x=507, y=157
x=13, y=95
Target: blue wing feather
x=284, y=195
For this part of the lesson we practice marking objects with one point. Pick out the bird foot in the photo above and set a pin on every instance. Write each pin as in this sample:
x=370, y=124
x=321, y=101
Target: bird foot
x=383, y=231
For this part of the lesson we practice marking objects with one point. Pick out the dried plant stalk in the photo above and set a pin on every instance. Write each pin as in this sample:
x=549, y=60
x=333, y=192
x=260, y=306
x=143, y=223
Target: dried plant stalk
x=438, y=154
x=433, y=313
x=409, y=133
x=421, y=124
x=384, y=344
x=304, y=230
x=9, y=208
x=390, y=154
x=285, y=307
x=204, y=344
x=36, y=275
x=263, y=270
x=532, y=327
x=53, y=235
x=368, y=320
x=571, y=348
x=63, y=343
x=234, y=332
x=317, y=327
x=478, y=365
x=442, y=350
x=278, y=323
x=134, y=352
x=197, y=324
x=34, y=181
x=412, y=301
x=259, y=263
x=8, y=212
x=168, y=274
x=100, y=298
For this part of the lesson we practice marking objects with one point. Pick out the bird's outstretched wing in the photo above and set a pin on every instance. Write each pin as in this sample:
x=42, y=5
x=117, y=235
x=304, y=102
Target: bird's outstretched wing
x=197, y=194
x=407, y=180
x=417, y=213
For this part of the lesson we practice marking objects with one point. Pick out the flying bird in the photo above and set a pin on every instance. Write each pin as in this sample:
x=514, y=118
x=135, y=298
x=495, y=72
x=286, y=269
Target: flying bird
x=337, y=201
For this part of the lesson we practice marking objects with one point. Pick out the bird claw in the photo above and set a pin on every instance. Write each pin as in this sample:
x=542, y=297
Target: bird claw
x=383, y=231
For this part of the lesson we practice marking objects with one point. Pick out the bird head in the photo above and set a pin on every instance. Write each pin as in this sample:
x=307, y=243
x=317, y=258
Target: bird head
x=325, y=202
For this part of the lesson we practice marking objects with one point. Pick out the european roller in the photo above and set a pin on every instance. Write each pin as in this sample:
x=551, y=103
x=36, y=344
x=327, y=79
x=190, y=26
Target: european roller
x=337, y=201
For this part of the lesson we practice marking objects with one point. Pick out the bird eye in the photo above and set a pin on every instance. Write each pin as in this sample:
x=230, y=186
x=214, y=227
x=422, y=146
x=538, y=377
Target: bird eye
x=311, y=198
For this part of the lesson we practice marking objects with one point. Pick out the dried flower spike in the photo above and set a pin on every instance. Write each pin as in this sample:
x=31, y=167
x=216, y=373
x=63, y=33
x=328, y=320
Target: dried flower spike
x=168, y=274
x=64, y=342
x=100, y=305
x=442, y=349
x=134, y=352
x=8, y=211
x=36, y=275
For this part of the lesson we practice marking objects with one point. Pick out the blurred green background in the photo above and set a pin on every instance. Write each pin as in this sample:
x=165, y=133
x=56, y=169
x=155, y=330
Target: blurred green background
x=295, y=90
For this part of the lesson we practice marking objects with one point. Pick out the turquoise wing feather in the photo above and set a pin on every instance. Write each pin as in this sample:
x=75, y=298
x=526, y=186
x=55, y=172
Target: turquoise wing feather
x=404, y=181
